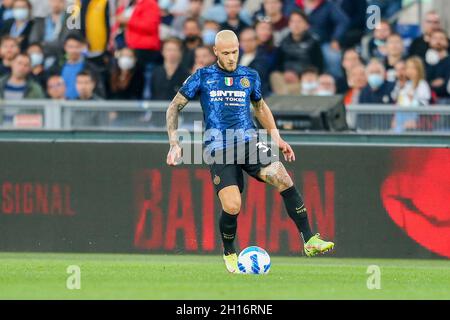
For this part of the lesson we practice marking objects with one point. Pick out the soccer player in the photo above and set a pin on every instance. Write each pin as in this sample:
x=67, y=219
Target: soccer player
x=226, y=92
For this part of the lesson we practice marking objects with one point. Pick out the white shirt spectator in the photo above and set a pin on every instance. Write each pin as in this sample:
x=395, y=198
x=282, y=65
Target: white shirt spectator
x=414, y=97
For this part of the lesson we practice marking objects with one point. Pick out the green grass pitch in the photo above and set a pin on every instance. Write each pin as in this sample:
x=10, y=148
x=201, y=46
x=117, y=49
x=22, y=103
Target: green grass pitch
x=116, y=276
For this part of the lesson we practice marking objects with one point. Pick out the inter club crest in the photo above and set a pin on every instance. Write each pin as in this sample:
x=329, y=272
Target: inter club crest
x=228, y=81
x=245, y=82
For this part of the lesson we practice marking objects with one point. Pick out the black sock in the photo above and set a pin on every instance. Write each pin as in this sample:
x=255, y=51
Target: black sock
x=228, y=227
x=297, y=211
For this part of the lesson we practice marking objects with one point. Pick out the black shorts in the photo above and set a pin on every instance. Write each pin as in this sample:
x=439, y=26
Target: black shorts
x=250, y=157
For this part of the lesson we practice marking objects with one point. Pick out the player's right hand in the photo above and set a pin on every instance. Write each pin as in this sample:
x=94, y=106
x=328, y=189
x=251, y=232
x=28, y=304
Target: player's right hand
x=174, y=155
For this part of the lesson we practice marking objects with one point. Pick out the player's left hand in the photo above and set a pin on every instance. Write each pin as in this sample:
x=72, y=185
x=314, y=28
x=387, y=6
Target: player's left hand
x=287, y=151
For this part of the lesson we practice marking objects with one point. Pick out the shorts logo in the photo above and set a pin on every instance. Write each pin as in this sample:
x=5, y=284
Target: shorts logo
x=228, y=81
x=245, y=82
x=216, y=180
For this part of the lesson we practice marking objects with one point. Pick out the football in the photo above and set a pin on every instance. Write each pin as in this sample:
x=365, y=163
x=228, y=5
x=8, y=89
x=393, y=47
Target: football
x=254, y=260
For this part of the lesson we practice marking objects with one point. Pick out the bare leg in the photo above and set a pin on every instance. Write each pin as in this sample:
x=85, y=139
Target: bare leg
x=277, y=176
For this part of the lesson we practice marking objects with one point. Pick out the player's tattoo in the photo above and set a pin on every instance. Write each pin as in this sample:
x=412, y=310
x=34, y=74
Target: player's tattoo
x=277, y=176
x=259, y=105
x=177, y=104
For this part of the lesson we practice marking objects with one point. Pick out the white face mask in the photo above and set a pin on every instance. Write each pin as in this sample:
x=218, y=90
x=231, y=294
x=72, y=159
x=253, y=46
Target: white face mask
x=324, y=93
x=126, y=63
x=20, y=14
x=309, y=87
x=36, y=59
x=432, y=57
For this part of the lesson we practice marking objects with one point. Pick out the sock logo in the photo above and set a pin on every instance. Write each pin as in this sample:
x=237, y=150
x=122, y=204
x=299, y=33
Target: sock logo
x=301, y=209
x=228, y=236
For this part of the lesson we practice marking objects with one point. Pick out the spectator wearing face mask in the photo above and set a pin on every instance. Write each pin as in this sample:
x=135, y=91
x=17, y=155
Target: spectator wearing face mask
x=309, y=81
x=210, y=29
x=126, y=80
x=415, y=93
x=51, y=30
x=141, y=23
x=438, y=63
x=20, y=25
x=9, y=49
x=375, y=46
x=36, y=54
x=327, y=86
x=378, y=90
x=5, y=11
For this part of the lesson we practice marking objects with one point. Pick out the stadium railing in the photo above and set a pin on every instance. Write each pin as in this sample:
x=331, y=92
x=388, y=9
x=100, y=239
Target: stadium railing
x=106, y=114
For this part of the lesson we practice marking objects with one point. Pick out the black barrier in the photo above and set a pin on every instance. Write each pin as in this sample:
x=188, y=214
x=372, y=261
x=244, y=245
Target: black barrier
x=121, y=197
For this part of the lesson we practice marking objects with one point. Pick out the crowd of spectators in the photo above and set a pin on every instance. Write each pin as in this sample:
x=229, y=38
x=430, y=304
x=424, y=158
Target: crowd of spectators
x=145, y=49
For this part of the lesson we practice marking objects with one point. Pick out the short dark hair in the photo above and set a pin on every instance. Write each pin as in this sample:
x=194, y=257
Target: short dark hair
x=76, y=36
x=209, y=48
x=87, y=73
x=300, y=13
x=310, y=69
x=192, y=20
x=22, y=55
x=395, y=34
x=36, y=44
x=9, y=38
x=175, y=40
x=440, y=30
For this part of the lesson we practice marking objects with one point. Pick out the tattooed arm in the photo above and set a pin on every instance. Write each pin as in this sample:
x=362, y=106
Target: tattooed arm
x=265, y=118
x=177, y=104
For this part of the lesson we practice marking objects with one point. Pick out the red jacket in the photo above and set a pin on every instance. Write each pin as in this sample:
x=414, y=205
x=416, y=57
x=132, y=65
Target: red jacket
x=143, y=28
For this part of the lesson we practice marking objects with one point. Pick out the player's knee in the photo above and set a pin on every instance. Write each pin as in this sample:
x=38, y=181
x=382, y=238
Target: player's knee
x=232, y=206
x=280, y=177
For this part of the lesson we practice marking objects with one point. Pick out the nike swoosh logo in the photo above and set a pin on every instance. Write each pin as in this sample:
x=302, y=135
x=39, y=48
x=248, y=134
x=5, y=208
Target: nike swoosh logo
x=211, y=81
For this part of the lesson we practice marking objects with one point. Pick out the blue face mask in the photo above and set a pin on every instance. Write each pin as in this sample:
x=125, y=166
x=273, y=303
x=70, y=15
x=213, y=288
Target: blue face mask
x=209, y=37
x=8, y=14
x=375, y=80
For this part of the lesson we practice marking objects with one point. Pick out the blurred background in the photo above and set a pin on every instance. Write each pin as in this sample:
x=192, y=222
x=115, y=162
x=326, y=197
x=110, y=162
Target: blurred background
x=326, y=65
